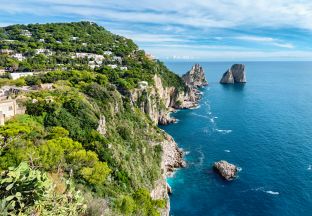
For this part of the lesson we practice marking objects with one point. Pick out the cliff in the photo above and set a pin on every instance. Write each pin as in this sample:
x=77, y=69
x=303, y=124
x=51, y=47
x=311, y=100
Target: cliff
x=236, y=74
x=158, y=101
x=172, y=158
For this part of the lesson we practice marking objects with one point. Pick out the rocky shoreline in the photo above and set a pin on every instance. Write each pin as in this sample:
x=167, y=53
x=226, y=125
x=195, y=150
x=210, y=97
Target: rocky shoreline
x=172, y=157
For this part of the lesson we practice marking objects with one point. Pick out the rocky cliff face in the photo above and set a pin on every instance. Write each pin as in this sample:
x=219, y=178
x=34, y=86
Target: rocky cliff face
x=172, y=158
x=195, y=77
x=157, y=101
x=236, y=74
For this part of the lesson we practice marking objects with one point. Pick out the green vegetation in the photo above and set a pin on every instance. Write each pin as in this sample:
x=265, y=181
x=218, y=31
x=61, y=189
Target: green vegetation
x=56, y=147
x=25, y=191
x=55, y=46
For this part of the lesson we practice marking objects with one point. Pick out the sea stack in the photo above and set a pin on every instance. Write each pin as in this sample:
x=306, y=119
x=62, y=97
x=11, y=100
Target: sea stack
x=225, y=169
x=236, y=74
x=195, y=77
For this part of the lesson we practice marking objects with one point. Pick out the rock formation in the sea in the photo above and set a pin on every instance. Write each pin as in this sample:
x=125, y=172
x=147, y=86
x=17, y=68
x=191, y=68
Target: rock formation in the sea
x=225, y=169
x=195, y=77
x=236, y=74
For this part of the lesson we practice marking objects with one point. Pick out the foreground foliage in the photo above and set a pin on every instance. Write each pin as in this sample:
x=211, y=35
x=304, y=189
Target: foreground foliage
x=25, y=191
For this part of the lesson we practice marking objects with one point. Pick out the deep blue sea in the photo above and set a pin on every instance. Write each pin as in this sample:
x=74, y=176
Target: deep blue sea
x=264, y=127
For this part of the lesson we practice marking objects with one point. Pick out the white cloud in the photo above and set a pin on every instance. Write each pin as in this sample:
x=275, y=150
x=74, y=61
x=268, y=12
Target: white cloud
x=171, y=28
x=266, y=40
x=195, y=13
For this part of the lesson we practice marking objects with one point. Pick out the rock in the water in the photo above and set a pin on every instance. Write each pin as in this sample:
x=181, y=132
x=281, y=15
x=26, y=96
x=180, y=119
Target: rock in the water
x=195, y=77
x=236, y=74
x=227, y=78
x=225, y=169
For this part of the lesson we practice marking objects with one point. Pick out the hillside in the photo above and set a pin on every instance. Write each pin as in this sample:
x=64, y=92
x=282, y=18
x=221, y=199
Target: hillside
x=90, y=122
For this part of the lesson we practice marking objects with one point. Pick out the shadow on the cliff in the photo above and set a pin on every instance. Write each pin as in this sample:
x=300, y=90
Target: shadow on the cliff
x=237, y=87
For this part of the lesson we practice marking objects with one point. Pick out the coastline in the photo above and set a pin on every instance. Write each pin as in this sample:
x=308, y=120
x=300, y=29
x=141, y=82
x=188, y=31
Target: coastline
x=173, y=156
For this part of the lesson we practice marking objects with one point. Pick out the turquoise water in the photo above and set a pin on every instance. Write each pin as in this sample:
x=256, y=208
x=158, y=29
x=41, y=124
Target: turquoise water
x=264, y=127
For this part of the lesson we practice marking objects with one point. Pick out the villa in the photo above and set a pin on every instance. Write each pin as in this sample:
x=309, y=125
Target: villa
x=8, y=109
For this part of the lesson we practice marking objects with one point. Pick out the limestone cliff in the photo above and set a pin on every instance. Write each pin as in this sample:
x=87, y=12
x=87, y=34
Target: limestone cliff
x=172, y=158
x=236, y=74
x=157, y=101
x=195, y=77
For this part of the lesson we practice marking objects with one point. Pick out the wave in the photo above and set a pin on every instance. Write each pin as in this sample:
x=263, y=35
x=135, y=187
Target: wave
x=202, y=116
x=266, y=191
x=194, y=108
x=176, y=121
x=223, y=131
x=272, y=192
x=226, y=150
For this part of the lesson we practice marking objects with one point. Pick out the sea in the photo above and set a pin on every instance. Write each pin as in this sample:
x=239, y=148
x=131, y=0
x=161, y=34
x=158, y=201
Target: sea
x=264, y=127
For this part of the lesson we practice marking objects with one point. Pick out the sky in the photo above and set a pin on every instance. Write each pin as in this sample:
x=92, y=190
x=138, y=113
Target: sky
x=207, y=30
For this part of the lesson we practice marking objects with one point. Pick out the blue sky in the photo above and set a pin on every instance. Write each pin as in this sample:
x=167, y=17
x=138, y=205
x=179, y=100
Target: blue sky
x=187, y=29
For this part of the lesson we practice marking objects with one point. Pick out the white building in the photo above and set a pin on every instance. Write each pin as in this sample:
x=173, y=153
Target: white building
x=6, y=51
x=113, y=66
x=8, y=109
x=117, y=59
x=43, y=51
x=20, y=74
x=96, y=57
x=108, y=53
x=26, y=33
x=123, y=68
x=19, y=56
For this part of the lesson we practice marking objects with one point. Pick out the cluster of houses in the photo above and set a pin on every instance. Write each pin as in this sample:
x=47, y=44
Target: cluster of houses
x=10, y=107
x=21, y=56
x=96, y=60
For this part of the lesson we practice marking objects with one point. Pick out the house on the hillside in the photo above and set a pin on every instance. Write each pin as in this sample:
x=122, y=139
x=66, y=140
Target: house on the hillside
x=117, y=59
x=113, y=66
x=124, y=68
x=96, y=57
x=6, y=51
x=43, y=51
x=17, y=75
x=26, y=33
x=108, y=52
x=19, y=56
x=8, y=109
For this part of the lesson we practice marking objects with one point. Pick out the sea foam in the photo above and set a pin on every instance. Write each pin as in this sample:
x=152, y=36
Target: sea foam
x=272, y=192
x=223, y=131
